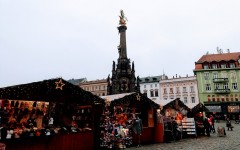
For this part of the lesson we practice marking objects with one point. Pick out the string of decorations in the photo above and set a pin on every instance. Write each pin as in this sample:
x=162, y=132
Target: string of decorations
x=133, y=99
x=177, y=103
x=52, y=90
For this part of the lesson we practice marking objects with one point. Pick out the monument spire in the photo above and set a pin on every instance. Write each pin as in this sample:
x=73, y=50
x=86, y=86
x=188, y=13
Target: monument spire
x=123, y=78
x=122, y=48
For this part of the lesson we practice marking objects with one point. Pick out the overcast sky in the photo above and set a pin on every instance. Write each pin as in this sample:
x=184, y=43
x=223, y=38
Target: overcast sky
x=44, y=39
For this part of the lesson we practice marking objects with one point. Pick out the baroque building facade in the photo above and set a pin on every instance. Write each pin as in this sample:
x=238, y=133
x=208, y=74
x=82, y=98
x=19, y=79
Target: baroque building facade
x=150, y=86
x=184, y=88
x=96, y=87
x=218, y=77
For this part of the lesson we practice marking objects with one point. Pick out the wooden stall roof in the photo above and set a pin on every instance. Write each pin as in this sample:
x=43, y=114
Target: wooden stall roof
x=132, y=99
x=175, y=104
x=52, y=90
x=199, y=108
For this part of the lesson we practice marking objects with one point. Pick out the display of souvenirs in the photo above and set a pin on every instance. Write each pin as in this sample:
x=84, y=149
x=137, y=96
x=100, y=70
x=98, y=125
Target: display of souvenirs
x=116, y=128
x=21, y=119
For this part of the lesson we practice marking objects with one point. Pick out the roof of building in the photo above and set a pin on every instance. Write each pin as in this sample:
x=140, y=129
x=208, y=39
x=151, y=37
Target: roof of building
x=52, y=90
x=179, y=79
x=133, y=98
x=98, y=81
x=77, y=81
x=176, y=104
x=219, y=57
x=151, y=79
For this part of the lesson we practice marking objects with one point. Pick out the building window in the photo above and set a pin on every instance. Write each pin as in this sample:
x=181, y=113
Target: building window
x=225, y=86
x=144, y=86
x=151, y=94
x=215, y=75
x=213, y=98
x=205, y=66
x=164, y=91
x=233, y=109
x=103, y=94
x=223, y=65
x=184, y=89
x=222, y=98
x=231, y=97
x=151, y=85
x=185, y=100
x=236, y=97
x=209, y=98
x=234, y=86
x=171, y=90
x=232, y=65
x=193, y=99
x=216, y=86
x=218, y=99
x=224, y=75
x=155, y=85
x=206, y=76
x=192, y=89
x=156, y=93
x=233, y=75
x=214, y=66
x=208, y=87
x=145, y=92
x=178, y=90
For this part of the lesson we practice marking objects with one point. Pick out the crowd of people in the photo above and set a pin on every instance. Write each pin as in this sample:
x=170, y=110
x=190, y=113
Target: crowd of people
x=207, y=125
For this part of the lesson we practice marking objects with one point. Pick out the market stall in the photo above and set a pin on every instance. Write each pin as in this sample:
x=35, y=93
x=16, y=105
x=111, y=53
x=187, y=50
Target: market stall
x=198, y=112
x=51, y=114
x=175, y=111
x=127, y=119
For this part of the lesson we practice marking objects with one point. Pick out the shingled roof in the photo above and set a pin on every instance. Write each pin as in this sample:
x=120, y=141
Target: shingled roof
x=219, y=57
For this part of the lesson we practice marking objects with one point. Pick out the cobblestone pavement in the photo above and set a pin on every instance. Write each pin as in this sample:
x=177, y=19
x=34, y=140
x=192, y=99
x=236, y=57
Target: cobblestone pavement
x=231, y=141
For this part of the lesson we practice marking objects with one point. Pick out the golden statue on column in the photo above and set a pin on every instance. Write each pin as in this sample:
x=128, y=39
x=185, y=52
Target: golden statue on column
x=123, y=19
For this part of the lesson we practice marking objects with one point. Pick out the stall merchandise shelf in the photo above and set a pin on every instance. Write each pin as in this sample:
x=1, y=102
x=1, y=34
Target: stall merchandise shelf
x=188, y=126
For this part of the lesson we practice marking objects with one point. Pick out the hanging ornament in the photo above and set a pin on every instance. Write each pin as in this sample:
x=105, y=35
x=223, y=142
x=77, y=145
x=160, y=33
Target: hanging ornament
x=107, y=102
x=138, y=97
x=59, y=84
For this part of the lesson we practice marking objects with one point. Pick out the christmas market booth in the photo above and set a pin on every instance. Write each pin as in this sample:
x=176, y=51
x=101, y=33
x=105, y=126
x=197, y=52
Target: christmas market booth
x=49, y=115
x=176, y=111
x=198, y=112
x=128, y=119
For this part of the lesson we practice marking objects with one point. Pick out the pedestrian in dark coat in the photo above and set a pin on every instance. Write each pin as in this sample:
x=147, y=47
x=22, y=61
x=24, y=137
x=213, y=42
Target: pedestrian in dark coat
x=207, y=126
x=228, y=124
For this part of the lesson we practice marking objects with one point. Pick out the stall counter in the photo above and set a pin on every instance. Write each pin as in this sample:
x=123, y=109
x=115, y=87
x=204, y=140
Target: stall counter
x=81, y=140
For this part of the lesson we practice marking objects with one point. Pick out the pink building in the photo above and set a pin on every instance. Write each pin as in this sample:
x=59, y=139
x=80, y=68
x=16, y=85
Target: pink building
x=184, y=88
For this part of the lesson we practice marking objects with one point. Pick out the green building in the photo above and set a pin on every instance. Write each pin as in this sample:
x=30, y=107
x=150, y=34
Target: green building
x=218, y=77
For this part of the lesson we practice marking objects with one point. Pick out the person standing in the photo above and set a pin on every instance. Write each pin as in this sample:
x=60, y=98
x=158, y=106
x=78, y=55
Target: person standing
x=229, y=124
x=176, y=130
x=137, y=128
x=206, y=126
x=212, y=120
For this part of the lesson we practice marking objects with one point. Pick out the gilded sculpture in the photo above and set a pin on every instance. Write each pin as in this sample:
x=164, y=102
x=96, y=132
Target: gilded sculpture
x=123, y=19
